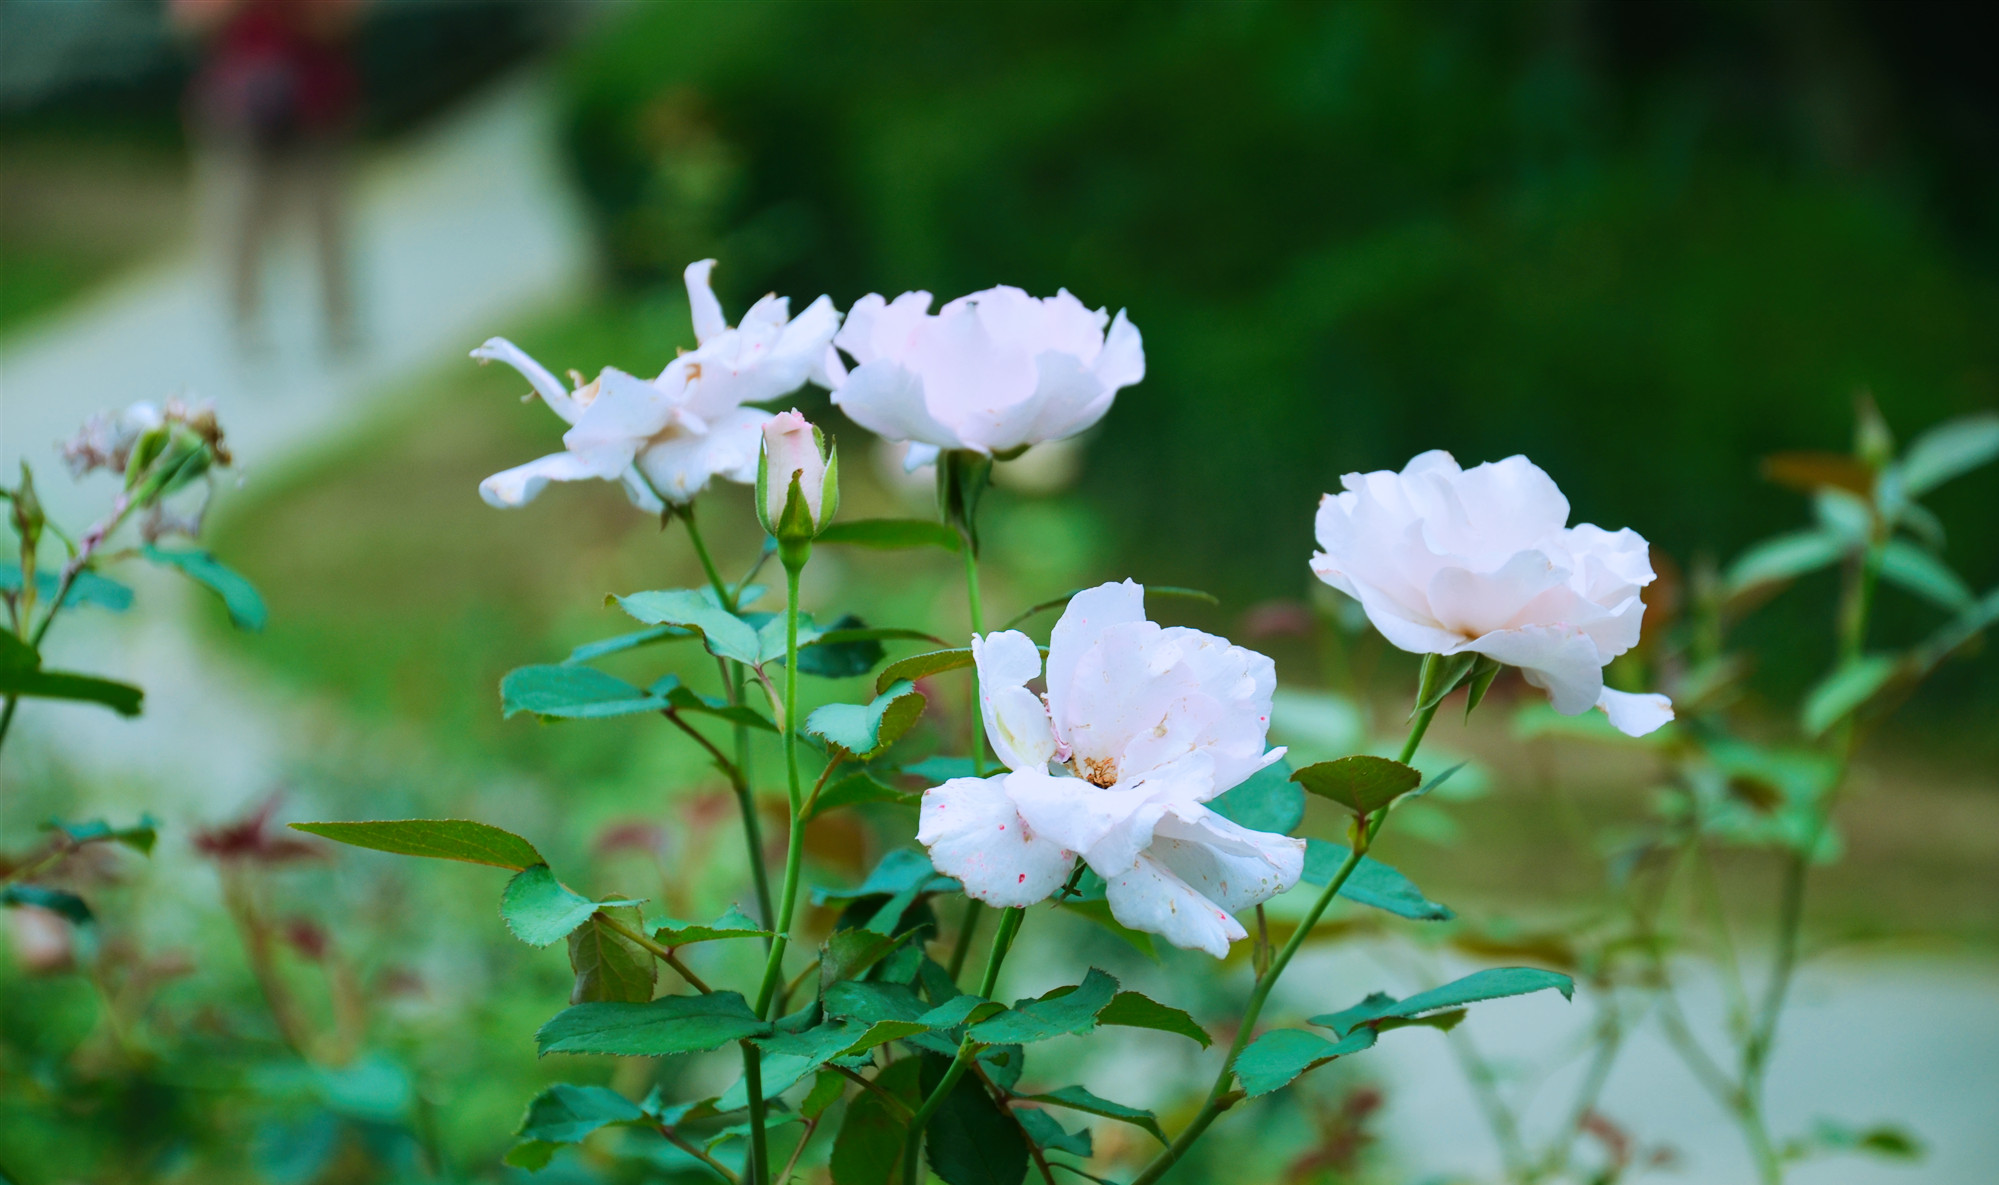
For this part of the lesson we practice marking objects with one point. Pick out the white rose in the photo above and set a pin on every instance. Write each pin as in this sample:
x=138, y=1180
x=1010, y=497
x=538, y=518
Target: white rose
x=669, y=437
x=1140, y=726
x=992, y=372
x=1448, y=560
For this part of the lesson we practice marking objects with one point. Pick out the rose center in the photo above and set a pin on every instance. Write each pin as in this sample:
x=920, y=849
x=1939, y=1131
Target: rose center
x=1100, y=771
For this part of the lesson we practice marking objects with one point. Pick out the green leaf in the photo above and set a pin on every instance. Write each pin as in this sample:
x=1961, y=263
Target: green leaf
x=847, y=954
x=1947, y=450
x=72, y=907
x=1077, y=1099
x=868, y=1001
x=1362, y=784
x=855, y=789
x=1441, y=675
x=541, y=910
x=1280, y=1055
x=531, y=1155
x=891, y=533
x=722, y=632
x=1151, y=590
x=140, y=836
x=1132, y=1010
x=1372, y=883
x=668, y=1025
x=863, y=730
x=1265, y=801
x=733, y=923
x=826, y=1090
x=938, y=770
x=969, y=1140
x=239, y=596
x=961, y=1009
x=846, y=649
x=1097, y=910
x=902, y=870
x=1061, y=1011
x=1785, y=557
x=1880, y=1140
x=591, y=651
x=566, y=692
x=439, y=839
x=1922, y=573
x=868, y=1150
x=918, y=666
x=88, y=589
x=1491, y=984
x=1050, y=1135
x=1483, y=672
x=564, y=1114
x=608, y=965
x=788, y=1057
x=21, y=674
x=1843, y=692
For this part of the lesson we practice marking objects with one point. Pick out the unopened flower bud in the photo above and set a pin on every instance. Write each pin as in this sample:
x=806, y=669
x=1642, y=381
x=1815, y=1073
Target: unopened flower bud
x=798, y=484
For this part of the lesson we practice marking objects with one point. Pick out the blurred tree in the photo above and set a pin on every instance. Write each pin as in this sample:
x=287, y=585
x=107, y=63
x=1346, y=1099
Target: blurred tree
x=1644, y=244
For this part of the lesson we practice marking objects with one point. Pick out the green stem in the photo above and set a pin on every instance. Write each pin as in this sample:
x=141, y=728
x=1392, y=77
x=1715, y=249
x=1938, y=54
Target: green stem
x=715, y=580
x=969, y=924
x=978, y=627
x=967, y=1048
x=795, y=841
x=657, y=950
x=753, y=1082
x=740, y=775
x=1220, y=1096
x=92, y=539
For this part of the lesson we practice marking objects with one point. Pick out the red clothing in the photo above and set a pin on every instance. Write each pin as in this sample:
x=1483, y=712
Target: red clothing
x=278, y=70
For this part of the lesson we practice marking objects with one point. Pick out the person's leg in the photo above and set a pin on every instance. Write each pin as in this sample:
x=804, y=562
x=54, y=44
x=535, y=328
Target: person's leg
x=254, y=185
x=325, y=175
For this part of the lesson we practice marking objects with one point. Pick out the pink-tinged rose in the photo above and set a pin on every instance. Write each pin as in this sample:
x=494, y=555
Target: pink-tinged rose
x=1448, y=560
x=792, y=450
x=668, y=437
x=992, y=372
x=1140, y=725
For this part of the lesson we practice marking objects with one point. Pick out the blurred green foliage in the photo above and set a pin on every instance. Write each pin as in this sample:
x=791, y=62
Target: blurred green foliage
x=1349, y=233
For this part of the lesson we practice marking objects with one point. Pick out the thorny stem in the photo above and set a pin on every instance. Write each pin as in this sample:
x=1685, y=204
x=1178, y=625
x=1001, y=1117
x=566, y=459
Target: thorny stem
x=1009, y=925
x=1220, y=1096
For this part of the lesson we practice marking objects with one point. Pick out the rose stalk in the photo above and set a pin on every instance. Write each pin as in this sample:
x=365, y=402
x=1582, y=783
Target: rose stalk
x=798, y=493
x=986, y=377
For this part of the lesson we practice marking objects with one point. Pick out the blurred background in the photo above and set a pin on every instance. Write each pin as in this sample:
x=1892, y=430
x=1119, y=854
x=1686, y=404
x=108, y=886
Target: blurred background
x=1646, y=244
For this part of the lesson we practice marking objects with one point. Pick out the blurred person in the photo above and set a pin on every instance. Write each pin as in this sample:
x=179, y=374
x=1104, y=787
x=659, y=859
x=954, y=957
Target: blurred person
x=273, y=105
